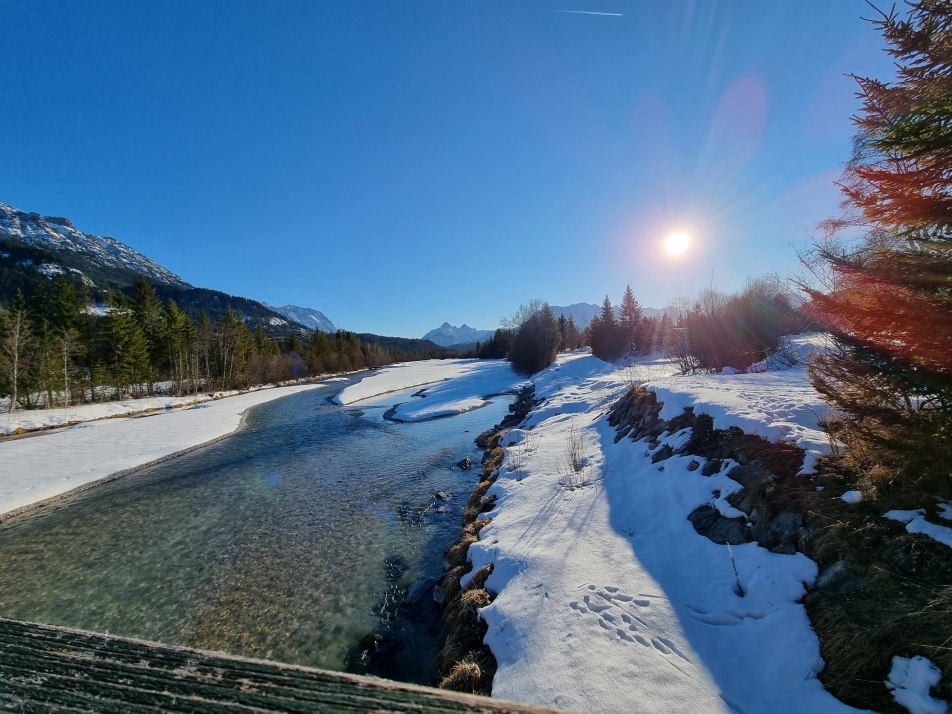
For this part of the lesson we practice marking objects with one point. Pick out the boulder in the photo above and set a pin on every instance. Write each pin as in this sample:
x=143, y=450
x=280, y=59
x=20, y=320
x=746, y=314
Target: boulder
x=708, y=521
x=782, y=531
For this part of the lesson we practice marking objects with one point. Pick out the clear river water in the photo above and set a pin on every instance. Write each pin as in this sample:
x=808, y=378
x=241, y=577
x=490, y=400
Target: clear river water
x=293, y=539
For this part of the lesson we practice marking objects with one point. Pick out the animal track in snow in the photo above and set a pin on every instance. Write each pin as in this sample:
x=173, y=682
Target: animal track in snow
x=618, y=614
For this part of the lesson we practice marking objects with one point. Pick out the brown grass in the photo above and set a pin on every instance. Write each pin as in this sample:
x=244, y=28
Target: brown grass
x=463, y=677
x=476, y=598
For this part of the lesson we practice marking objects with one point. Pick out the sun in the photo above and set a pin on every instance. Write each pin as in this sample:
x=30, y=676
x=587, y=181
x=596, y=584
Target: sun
x=677, y=243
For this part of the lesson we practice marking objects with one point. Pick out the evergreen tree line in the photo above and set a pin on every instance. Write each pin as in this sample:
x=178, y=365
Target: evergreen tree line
x=716, y=331
x=55, y=351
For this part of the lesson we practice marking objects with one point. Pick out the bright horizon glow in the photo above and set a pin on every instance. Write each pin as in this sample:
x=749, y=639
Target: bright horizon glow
x=677, y=243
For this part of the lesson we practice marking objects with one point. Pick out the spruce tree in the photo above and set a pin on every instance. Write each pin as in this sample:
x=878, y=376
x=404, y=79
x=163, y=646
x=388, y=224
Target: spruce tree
x=178, y=335
x=147, y=309
x=630, y=321
x=890, y=302
x=606, y=344
x=129, y=350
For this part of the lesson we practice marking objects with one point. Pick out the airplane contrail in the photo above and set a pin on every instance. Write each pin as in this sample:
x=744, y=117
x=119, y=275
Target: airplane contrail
x=591, y=12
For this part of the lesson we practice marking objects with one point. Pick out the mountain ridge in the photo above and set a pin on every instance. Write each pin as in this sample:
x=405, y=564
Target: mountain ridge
x=310, y=317
x=59, y=235
x=447, y=335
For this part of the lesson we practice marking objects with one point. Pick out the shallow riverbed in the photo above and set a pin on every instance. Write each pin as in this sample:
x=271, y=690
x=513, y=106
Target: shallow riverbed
x=291, y=540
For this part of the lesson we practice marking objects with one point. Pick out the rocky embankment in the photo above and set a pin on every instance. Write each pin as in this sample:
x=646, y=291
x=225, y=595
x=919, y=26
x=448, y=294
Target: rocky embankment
x=881, y=592
x=466, y=664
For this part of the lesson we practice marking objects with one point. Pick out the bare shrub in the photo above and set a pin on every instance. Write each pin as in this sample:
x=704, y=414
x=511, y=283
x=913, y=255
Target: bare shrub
x=574, y=472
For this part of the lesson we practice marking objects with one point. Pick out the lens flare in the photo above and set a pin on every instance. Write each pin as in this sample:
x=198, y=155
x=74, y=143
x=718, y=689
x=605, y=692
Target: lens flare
x=676, y=243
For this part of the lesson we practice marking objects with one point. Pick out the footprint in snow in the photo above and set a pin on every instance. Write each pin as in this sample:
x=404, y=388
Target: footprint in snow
x=617, y=613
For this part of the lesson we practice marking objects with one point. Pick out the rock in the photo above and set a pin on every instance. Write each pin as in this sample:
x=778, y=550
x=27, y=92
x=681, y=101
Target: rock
x=441, y=496
x=694, y=465
x=418, y=590
x=665, y=452
x=781, y=531
x=465, y=463
x=708, y=521
x=395, y=566
x=711, y=467
x=750, y=476
x=622, y=433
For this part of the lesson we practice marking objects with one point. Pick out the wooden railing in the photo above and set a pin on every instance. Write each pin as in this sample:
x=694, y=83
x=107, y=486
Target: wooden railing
x=47, y=668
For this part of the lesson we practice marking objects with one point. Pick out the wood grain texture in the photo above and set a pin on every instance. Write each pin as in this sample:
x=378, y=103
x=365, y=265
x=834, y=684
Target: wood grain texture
x=47, y=668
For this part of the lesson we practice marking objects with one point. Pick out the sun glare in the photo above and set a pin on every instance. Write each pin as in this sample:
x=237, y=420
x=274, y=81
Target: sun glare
x=677, y=243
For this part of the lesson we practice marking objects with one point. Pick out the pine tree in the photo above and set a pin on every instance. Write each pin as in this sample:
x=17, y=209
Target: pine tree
x=147, y=309
x=606, y=342
x=129, y=350
x=573, y=337
x=890, y=302
x=630, y=321
x=178, y=334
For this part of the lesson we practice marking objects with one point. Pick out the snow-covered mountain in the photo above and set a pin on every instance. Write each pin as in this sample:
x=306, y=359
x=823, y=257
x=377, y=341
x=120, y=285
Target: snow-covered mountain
x=307, y=316
x=60, y=235
x=447, y=334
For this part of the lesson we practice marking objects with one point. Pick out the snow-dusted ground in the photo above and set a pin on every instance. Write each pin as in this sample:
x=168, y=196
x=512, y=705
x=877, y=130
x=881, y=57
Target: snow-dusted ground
x=50, y=464
x=471, y=380
x=608, y=600
x=35, y=419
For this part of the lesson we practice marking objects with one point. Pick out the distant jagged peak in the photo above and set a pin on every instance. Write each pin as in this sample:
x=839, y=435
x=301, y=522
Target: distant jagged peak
x=447, y=334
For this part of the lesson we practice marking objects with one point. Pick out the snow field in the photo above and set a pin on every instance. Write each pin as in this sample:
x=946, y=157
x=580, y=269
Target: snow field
x=607, y=599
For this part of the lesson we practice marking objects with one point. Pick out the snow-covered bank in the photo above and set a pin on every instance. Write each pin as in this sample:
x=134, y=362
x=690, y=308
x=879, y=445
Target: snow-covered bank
x=28, y=420
x=780, y=406
x=458, y=386
x=608, y=599
x=39, y=419
x=51, y=464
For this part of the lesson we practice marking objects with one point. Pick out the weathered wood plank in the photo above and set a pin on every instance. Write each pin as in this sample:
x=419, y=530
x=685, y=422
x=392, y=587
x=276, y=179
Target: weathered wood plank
x=47, y=668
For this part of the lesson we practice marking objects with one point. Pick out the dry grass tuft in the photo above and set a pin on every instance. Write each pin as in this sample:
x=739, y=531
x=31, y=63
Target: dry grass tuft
x=455, y=555
x=476, y=597
x=474, y=527
x=480, y=576
x=463, y=677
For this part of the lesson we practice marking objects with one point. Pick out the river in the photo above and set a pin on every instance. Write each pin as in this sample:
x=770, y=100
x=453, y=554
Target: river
x=293, y=539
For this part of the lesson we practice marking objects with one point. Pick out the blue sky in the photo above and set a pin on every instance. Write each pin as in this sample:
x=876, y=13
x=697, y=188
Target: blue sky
x=397, y=163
